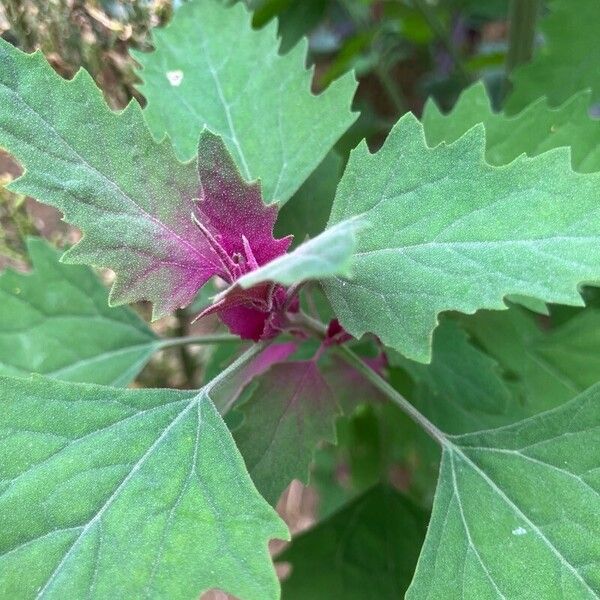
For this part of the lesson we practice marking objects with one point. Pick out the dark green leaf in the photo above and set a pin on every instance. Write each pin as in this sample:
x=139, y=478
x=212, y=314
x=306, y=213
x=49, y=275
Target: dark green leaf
x=538, y=128
x=462, y=390
x=366, y=550
x=567, y=62
x=549, y=367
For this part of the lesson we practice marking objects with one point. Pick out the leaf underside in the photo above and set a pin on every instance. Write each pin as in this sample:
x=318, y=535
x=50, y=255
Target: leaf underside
x=327, y=255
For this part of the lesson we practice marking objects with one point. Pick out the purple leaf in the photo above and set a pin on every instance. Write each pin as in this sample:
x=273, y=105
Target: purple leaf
x=228, y=391
x=238, y=228
x=233, y=210
x=290, y=411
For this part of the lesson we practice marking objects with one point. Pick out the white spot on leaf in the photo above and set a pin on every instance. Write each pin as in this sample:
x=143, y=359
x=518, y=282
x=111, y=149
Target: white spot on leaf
x=519, y=531
x=175, y=77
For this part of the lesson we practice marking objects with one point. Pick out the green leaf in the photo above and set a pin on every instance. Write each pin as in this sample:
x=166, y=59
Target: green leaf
x=567, y=62
x=211, y=69
x=449, y=232
x=327, y=255
x=289, y=412
x=546, y=365
x=366, y=550
x=462, y=390
x=56, y=321
x=538, y=128
x=130, y=196
x=517, y=510
x=126, y=494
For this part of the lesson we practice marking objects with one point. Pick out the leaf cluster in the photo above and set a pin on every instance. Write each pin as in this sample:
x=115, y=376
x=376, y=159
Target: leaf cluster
x=423, y=355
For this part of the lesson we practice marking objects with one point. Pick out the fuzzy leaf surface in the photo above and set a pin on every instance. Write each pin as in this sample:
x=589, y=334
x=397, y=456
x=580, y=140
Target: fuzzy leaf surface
x=327, y=255
x=517, y=510
x=211, y=69
x=126, y=494
x=462, y=390
x=290, y=411
x=130, y=195
x=538, y=128
x=567, y=62
x=447, y=231
x=368, y=549
x=56, y=322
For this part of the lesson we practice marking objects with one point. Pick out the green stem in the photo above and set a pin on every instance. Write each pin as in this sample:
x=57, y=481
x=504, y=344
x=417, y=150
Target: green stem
x=394, y=396
x=319, y=329
x=391, y=89
x=443, y=37
x=217, y=338
x=307, y=322
x=522, y=18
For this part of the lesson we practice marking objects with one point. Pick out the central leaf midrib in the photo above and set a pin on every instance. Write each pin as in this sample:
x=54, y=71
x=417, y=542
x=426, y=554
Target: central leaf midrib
x=226, y=109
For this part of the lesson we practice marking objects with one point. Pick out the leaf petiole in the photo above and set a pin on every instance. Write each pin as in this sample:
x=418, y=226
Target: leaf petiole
x=319, y=329
x=217, y=338
x=394, y=396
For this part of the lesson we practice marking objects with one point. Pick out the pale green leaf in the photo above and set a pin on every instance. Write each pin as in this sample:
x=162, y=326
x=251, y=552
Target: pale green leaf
x=447, y=231
x=290, y=411
x=536, y=129
x=211, y=69
x=533, y=304
x=56, y=321
x=517, y=511
x=568, y=60
x=327, y=255
x=130, y=196
x=462, y=390
x=366, y=550
x=126, y=494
